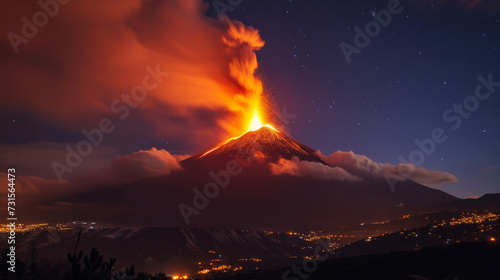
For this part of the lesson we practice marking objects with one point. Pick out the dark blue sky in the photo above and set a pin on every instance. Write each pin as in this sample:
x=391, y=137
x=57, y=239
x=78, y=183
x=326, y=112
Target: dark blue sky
x=393, y=92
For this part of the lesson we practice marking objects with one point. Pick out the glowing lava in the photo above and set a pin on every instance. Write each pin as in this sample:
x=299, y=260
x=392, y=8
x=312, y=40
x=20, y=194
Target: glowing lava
x=256, y=123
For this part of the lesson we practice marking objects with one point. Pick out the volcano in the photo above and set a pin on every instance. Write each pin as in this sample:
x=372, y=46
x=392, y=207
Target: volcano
x=260, y=199
x=265, y=145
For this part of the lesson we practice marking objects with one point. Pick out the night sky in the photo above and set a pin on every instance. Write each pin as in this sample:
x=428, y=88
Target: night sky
x=396, y=90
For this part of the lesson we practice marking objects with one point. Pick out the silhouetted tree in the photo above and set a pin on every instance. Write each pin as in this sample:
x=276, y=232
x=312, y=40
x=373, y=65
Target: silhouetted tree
x=75, y=264
x=94, y=265
x=108, y=266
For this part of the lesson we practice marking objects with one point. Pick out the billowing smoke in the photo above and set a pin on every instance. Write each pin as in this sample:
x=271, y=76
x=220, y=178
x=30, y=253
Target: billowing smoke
x=85, y=63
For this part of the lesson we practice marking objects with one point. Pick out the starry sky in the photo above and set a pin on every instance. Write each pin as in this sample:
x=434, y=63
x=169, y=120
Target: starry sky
x=393, y=92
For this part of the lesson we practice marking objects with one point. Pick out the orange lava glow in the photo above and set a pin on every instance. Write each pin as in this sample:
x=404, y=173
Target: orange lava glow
x=256, y=123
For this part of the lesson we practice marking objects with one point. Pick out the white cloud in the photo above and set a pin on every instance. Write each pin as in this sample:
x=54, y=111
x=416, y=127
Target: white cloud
x=364, y=167
x=315, y=170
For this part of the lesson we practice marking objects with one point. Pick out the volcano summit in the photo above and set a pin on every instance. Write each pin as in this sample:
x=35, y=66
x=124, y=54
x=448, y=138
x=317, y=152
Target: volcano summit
x=265, y=145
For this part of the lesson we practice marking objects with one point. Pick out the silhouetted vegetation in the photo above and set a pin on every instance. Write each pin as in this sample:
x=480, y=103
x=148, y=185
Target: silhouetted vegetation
x=77, y=267
x=475, y=260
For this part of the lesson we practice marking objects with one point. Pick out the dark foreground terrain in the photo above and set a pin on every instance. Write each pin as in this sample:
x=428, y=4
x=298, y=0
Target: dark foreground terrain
x=464, y=260
x=474, y=260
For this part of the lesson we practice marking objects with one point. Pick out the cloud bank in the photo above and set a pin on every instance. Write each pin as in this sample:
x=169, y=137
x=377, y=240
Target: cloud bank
x=35, y=190
x=139, y=165
x=364, y=167
x=316, y=170
x=353, y=167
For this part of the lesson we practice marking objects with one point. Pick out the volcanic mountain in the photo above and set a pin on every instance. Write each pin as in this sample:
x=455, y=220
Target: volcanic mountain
x=258, y=198
x=264, y=145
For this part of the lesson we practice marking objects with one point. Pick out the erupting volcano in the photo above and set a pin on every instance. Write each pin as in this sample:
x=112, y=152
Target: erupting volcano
x=262, y=143
x=251, y=138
